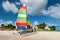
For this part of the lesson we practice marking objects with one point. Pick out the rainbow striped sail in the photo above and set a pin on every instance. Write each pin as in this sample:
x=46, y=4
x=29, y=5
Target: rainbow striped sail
x=22, y=19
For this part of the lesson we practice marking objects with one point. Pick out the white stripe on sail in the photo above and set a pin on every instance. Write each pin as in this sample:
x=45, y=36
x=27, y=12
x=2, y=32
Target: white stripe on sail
x=22, y=15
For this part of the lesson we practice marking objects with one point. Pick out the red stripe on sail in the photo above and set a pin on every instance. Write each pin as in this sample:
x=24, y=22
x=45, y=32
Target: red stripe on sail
x=24, y=7
x=21, y=24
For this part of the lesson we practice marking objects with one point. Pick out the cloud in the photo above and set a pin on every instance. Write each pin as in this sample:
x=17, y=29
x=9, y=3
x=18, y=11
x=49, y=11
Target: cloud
x=17, y=3
x=34, y=6
x=7, y=22
x=53, y=11
x=9, y=7
x=35, y=23
x=50, y=24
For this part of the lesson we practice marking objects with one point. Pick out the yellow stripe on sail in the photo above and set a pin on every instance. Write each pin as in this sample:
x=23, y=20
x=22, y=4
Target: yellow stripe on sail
x=22, y=15
x=24, y=10
x=28, y=23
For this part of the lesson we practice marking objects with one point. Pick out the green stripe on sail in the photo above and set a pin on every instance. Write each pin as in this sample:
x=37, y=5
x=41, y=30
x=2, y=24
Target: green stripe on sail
x=21, y=12
x=22, y=18
x=22, y=15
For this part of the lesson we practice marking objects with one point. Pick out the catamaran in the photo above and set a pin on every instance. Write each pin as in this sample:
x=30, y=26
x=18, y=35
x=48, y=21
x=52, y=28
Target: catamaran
x=22, y=21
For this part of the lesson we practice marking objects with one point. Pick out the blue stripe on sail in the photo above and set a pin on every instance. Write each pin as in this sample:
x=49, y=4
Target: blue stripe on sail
x=24, y=27
x=18, y=27
x=21, y=27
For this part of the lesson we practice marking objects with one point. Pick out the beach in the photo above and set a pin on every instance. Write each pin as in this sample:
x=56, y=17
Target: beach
x=42, y=35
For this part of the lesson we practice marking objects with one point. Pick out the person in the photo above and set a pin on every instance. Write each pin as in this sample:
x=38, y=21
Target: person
x=20, y=31
x=35, y=29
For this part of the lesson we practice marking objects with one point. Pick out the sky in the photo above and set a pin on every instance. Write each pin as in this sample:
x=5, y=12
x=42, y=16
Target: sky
x=38, y=11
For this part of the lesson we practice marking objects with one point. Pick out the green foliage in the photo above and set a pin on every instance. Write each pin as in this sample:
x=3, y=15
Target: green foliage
x=52, y=28
x=41, y=26
x=2, y=25
x=9, y=26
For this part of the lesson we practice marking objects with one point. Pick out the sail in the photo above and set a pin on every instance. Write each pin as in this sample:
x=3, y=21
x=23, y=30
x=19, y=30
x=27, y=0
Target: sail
x=28, y=24
x=22, y=18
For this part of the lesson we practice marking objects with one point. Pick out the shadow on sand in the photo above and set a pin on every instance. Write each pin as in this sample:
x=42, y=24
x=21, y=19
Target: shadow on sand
x=27, y=34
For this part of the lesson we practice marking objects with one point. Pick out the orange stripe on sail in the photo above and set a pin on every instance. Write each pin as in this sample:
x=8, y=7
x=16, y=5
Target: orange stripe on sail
x=24, y=10
x=21, y=21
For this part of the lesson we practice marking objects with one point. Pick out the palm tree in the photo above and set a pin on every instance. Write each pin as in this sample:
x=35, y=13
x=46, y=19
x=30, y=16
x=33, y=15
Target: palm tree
x=2, y=25
x=10, y=26
x=52, y=28
x=41, y=26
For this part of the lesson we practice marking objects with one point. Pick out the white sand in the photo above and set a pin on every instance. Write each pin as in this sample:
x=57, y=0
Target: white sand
x=43, y=36
x=7, y=32
x=8, y=35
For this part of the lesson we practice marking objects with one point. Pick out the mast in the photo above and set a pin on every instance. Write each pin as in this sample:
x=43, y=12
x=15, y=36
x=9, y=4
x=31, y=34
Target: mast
x=28, y=22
